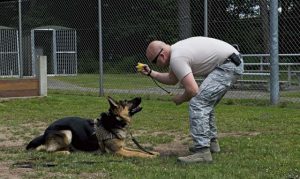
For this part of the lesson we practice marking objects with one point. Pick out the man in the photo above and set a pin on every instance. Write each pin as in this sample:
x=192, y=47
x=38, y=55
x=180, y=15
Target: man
x=219, y=62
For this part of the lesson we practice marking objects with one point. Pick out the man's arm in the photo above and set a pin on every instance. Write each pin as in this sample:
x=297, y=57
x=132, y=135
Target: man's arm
x=165, y=78
x=190, y=89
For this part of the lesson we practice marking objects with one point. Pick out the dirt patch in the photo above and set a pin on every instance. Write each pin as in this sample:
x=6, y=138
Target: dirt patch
x=81, y=175
x=28, y=168
x=180, y=145
x=12, y=137
x=175, y=148
x=11, y=144
x=12, y=173
x=238, y=134
x=7, y=139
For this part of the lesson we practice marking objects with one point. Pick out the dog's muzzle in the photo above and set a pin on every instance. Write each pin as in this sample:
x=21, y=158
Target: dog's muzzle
x=135, y=110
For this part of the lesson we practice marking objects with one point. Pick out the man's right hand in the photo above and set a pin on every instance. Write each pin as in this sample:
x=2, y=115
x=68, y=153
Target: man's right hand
x=143, y=68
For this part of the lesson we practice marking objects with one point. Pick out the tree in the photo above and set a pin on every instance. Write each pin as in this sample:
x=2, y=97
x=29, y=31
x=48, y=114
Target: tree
x=289, y=29
x=9, y=13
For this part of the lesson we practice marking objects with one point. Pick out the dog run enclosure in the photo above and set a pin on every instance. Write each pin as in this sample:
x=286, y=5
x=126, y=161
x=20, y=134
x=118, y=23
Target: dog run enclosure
x=59, y=45
x=9, y=52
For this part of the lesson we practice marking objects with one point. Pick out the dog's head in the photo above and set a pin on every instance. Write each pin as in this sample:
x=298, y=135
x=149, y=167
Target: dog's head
x=124, y=109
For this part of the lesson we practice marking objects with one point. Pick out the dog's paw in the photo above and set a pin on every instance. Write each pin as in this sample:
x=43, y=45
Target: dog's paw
x=155, y=154
x=63, y=152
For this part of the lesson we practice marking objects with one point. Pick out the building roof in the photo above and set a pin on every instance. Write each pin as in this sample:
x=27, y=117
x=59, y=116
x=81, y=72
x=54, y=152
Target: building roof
x=4, y=27
x=52, y=27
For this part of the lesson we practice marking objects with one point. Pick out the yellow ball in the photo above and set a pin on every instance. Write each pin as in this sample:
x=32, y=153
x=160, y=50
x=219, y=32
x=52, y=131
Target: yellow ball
x=140, y=67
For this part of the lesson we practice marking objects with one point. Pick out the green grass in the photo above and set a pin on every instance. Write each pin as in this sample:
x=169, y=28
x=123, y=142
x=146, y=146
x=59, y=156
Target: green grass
x=110, y=81
x=294, y=94
x=123, y=81
x=272, y=153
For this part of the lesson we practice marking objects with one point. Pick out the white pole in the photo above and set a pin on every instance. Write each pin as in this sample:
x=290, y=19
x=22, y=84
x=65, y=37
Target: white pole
x=42, y=75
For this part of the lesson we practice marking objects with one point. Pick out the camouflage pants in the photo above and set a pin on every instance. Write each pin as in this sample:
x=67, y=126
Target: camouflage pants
x=201, y=107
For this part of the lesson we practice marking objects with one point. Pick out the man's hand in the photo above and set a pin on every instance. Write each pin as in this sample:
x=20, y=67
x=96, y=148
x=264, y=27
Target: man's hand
x=143, y=68
x=177, y=99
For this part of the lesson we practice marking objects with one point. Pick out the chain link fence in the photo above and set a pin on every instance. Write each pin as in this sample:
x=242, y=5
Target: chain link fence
x=68, y=33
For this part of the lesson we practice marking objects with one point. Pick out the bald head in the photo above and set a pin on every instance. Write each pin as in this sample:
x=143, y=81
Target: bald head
x=153, y=48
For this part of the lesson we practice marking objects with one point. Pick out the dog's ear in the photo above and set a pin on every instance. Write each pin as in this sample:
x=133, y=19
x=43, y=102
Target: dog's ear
x=112, y=102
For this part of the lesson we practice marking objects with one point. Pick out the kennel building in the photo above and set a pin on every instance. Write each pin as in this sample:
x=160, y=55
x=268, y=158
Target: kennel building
x=59, y=44
x=9, y=52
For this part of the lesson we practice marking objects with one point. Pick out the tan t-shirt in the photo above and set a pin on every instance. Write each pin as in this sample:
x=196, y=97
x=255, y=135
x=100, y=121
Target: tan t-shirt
x=199, y=55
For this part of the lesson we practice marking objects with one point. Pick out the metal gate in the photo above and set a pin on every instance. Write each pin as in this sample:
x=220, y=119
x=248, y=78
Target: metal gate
x=9, y=52
x=59, y=45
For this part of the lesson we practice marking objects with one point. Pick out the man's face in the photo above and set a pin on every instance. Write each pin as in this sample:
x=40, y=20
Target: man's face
x=154, y=60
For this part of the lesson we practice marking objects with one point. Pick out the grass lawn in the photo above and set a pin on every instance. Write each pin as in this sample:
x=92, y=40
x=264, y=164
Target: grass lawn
x=111, y=81
x=128, y=81
x=257, y=140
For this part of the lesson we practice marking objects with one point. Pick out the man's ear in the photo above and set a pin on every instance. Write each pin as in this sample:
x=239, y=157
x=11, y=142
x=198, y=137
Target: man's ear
x=113, y=104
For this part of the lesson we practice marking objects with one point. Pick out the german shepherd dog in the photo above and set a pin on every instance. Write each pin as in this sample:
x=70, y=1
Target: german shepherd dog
x=107, y=134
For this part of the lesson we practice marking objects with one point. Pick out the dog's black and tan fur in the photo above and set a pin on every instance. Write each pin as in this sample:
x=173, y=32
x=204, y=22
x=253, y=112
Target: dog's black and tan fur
x=106, y=134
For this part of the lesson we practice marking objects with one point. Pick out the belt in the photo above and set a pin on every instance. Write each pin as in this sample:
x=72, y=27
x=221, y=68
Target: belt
x=234, y=58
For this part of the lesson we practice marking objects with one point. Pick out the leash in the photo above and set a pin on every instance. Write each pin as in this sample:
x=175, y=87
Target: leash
x=132, y=138
x=141, y=66
x=160, y=86
x=138, y=145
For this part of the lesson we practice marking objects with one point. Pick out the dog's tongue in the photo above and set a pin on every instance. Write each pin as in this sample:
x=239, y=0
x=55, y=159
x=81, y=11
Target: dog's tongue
x=135, y=110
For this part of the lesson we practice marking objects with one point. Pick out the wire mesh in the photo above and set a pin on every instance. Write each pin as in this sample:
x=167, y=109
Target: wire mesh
x=128, y=27
x=9, y=49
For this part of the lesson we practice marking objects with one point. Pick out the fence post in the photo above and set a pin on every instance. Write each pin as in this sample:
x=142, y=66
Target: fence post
x=274, y=77
x=20, y=41
x=42, y=75
x=289, y=75
x=205, y=18
x=101, y=86
x=261, y=68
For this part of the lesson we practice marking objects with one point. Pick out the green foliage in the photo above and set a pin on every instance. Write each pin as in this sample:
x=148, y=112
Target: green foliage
x=88, y=63
x=128, y=27
x=121, y=65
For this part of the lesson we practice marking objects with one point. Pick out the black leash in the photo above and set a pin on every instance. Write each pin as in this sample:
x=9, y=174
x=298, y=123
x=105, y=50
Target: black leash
x=141, y=66
x=160, y=86
x=138, y=145
x=132, y=138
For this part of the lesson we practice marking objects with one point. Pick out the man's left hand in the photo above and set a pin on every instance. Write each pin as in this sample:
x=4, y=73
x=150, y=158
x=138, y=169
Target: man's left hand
x=177, y=100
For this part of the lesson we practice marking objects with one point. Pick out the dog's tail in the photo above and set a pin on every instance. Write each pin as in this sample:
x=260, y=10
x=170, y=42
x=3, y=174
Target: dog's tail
x=36, y=142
